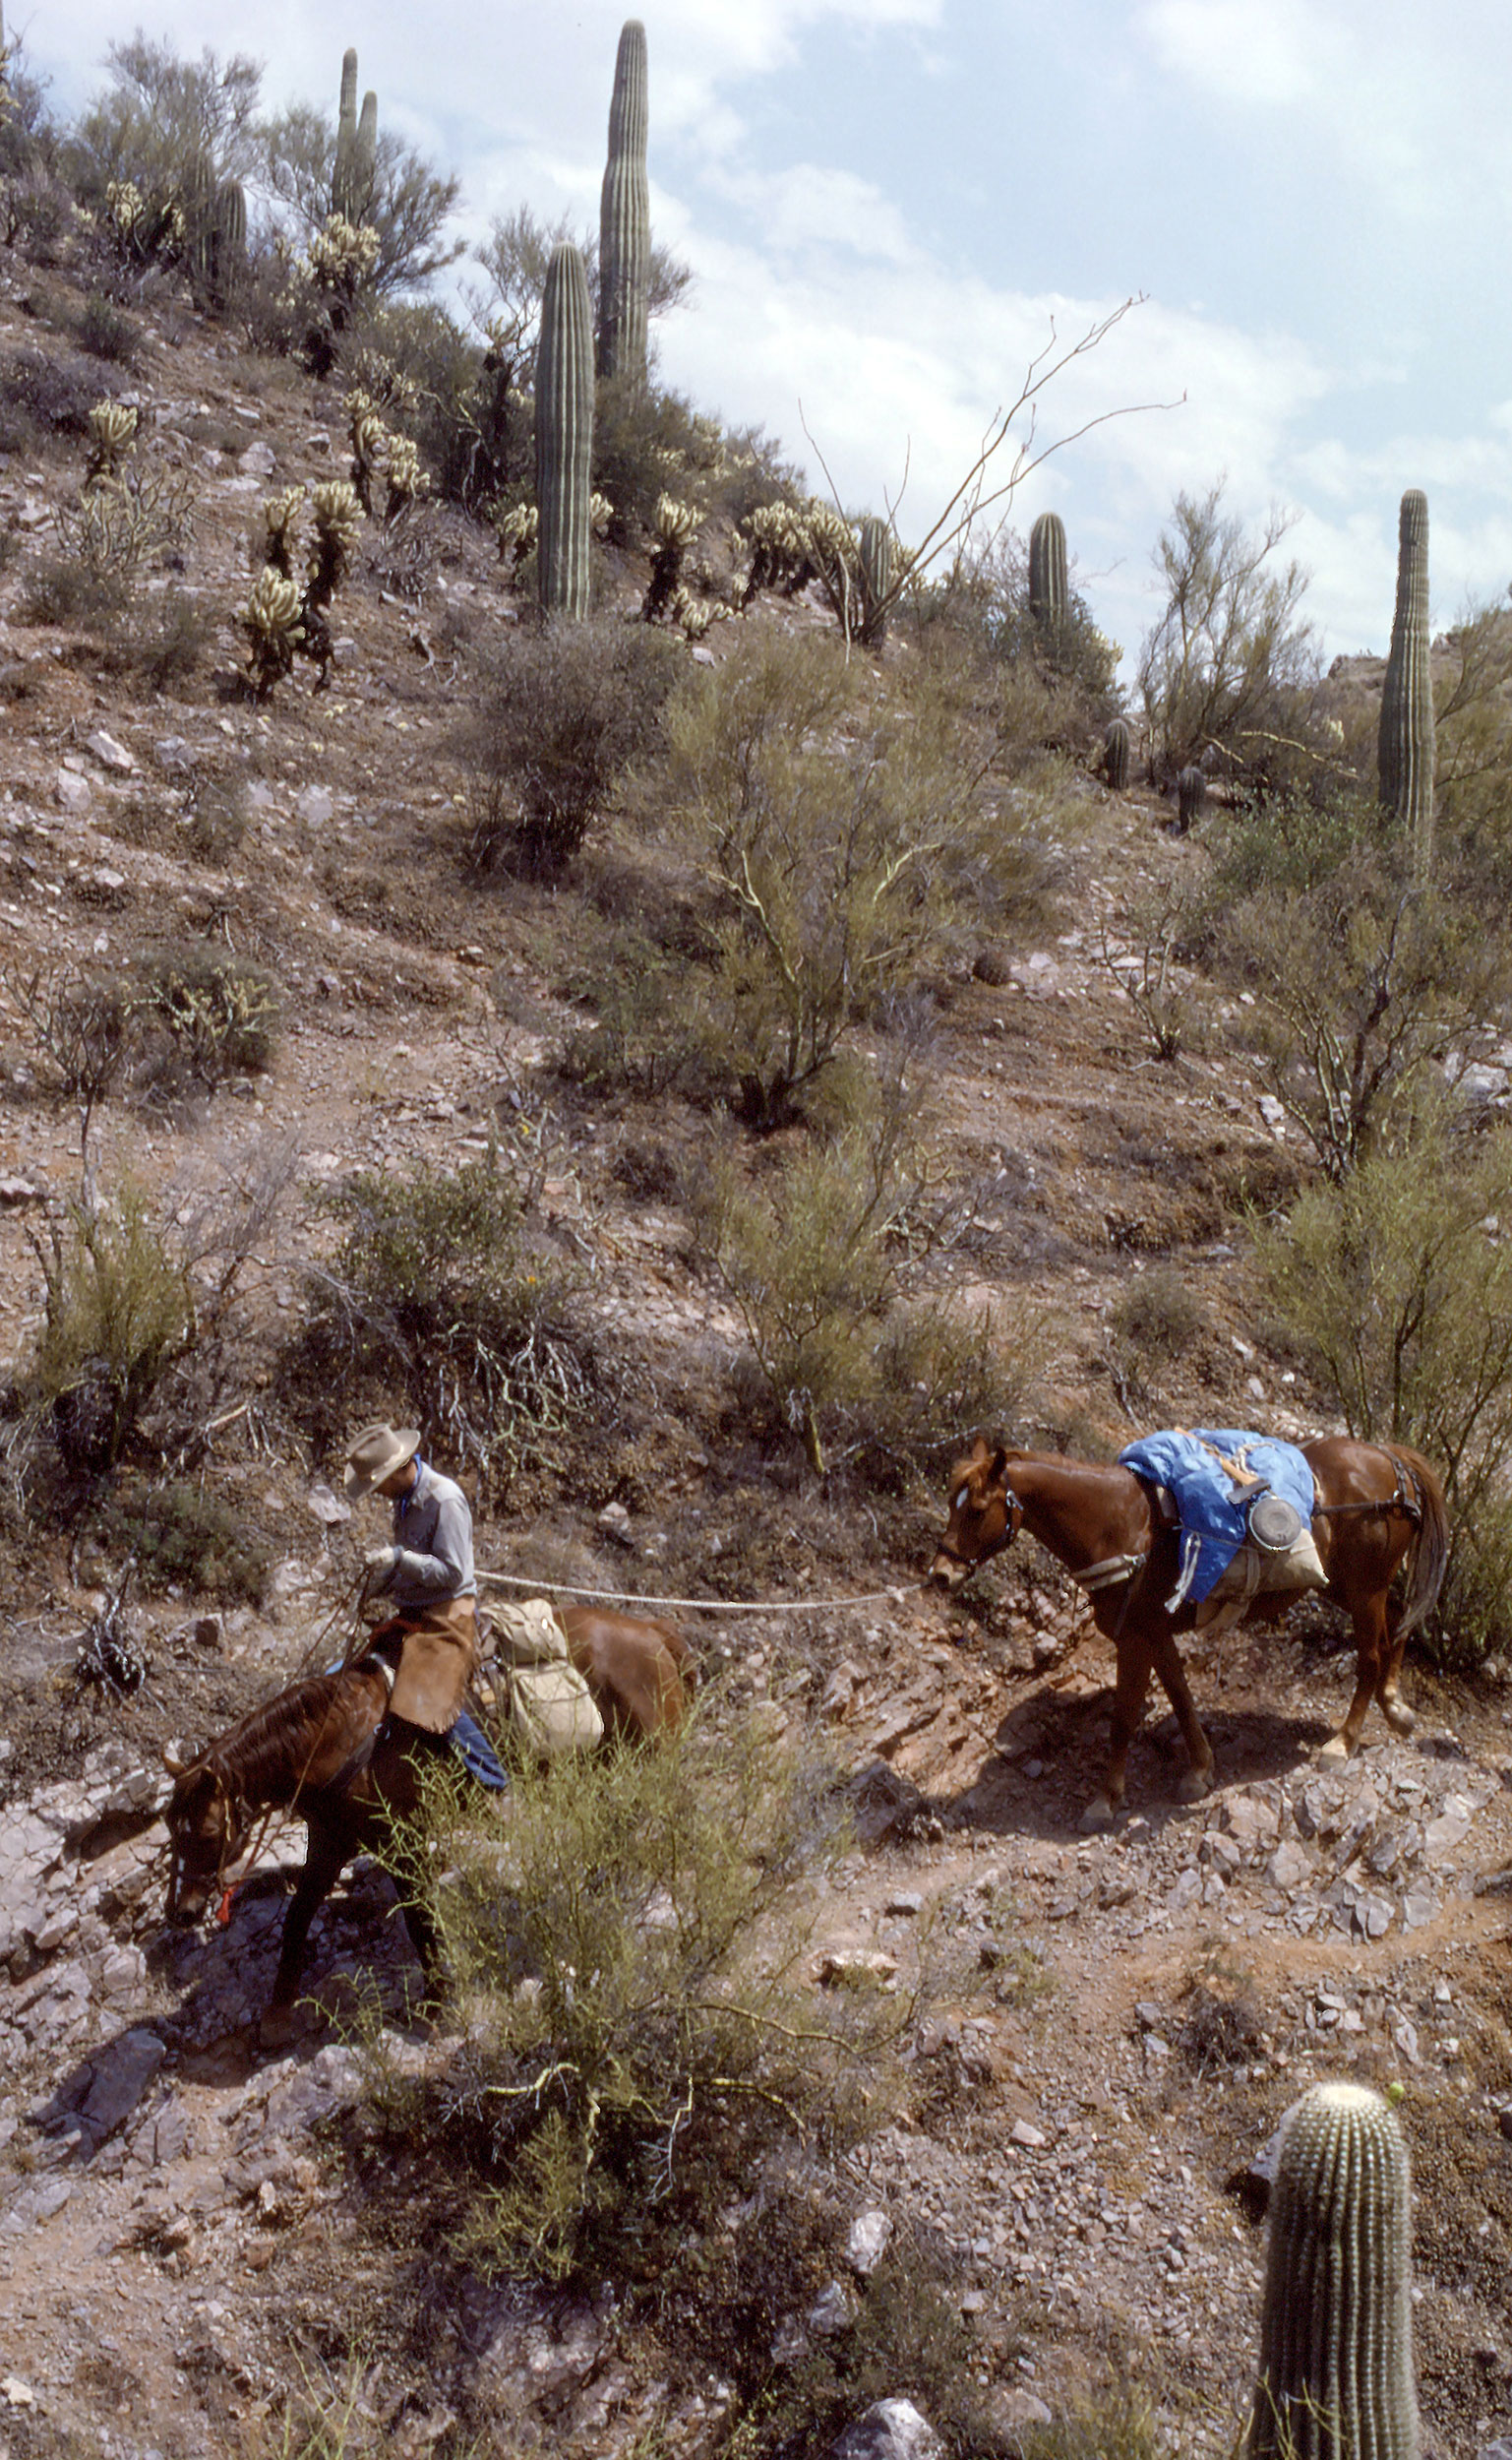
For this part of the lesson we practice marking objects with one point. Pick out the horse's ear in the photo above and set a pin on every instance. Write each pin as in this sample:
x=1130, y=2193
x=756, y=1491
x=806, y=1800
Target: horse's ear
x=999, y=1464
x=173, y=1760
x=981, y=1450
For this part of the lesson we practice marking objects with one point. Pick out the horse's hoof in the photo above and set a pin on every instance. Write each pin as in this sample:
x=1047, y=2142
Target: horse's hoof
x=1400, y=1718
x=1336, y=1747
x=278, y=2028
x=1195, y=1786
x=1097, y=1819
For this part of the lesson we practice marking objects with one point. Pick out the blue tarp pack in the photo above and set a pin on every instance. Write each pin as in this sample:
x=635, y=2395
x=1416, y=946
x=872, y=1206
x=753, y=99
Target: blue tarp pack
x=1211, y=1506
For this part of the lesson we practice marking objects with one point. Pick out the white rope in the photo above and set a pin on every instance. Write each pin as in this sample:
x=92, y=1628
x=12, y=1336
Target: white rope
x=699, y=1605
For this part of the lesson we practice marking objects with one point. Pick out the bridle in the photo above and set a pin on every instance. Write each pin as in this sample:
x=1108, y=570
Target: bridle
x=1000, y=1544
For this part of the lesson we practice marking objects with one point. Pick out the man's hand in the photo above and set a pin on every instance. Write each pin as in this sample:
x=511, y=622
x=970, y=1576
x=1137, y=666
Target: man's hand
x=380, y=1565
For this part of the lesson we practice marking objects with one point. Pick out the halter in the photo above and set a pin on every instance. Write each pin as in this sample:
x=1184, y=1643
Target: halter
x=999, y=1545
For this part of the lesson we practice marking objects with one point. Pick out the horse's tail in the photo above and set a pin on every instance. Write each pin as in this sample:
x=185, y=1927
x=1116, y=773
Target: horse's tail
x=1427, y=1558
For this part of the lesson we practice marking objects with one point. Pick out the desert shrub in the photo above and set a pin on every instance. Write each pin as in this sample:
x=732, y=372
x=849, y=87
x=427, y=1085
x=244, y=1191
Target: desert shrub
x=167, y=640
x=649, y=443
x=433, y=1297
x=118, y=1311
x=115, y=528
x=62, y=591
x=1395, y=1287
x=106, y=331
x=1362, y=990
x=1230, y=665
x=633, y=1953
x=1159, y=1318
x=181, y=1536
x=564, y=711
x=80, y=1023
x=842, y=837
x=42, y=396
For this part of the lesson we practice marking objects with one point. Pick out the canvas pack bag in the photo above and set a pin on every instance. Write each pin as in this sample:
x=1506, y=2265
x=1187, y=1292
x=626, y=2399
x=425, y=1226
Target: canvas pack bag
x=550, y=1705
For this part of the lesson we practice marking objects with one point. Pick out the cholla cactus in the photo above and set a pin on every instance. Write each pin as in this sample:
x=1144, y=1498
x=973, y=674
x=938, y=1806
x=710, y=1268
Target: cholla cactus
x=1336, y=2342
x=779, y=550
x=340, y=258
x=406, y=481
x=123, y=208
x=369, y=438
x=676, y=525
x=113, y=432
x=279, y=514
x=517, y=534
x=273, y=621
x=600, y=514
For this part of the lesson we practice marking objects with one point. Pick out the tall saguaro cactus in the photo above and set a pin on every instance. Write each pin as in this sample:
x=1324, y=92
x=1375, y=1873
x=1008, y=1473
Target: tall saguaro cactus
x=352, y=179
x=564, y=435
x=625, y=216
x=1406, y=750
x=343, y=177
x=1047, y=588
x=1336, y=2351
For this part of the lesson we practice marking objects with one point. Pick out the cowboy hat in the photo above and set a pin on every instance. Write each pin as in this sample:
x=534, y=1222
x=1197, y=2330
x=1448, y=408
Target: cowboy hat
x=375, y=1455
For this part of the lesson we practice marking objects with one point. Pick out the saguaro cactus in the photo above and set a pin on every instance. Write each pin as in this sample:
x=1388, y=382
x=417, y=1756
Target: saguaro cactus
x=228, y=239
x=1190, y=795
x=876, y=565
x=625, y=216
x=1336, y=2353
x=344, y=176
x=564, y=435
x=1404, y=753
x=1117, y=746
x=365, y=158
x=1048, y=589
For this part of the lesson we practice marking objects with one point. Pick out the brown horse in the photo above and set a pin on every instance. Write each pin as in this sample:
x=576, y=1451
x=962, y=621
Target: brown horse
x=322, y=1751
x=1379, y=1509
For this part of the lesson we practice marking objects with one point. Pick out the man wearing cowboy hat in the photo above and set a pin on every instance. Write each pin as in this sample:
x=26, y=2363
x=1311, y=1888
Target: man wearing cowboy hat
x=427, y=1572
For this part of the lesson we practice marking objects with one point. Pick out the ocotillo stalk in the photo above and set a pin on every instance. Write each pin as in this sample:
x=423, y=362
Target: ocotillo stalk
x=1406, y=750
x=625, y=216
x=1336, y=2339
x=344, y=176
x=1047, y=588
x=564, y=435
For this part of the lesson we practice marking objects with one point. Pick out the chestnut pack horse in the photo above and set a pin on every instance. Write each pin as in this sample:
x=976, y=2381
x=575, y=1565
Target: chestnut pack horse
x=1379, y=1511
x=322, y=1751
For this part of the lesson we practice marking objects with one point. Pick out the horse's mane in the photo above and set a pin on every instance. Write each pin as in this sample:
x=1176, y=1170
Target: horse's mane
x=282, y=1732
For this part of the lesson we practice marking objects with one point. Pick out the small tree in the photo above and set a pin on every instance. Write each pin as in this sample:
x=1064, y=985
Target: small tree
x=161, y=113
x=1228, y=666
x=407, y=206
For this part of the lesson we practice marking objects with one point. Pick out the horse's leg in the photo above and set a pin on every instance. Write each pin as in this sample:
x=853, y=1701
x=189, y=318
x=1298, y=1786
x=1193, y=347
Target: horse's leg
x=323, y=1857
x=1373, y=1668
x=1129, y=1696
x=1198, y=1780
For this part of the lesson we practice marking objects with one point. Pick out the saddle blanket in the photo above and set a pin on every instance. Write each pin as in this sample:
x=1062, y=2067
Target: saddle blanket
x=1211, y=1503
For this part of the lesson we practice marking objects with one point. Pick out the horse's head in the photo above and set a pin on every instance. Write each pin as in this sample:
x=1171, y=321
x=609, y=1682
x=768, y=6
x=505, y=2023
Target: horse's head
x=208, y=1829
x=985, y=1515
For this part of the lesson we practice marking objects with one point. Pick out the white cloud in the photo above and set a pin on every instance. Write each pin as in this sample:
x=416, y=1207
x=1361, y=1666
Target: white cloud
x=1278, y=52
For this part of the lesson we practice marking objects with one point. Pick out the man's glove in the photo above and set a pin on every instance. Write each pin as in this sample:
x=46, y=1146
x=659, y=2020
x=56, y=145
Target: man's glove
x=380, y=1565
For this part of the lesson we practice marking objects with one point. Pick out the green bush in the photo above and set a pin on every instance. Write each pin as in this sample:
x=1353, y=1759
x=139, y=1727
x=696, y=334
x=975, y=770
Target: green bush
x=633, y=1951
x=108, y=332
x=1159, y=1318
x=564, y=711
x=183, y=1537
x=843, y=836
x=1395, y=1287
x=434, y=1303
x=118, y=1311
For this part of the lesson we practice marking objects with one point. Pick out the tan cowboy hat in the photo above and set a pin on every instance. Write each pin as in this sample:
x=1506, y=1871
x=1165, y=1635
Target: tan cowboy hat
x=375, y=1455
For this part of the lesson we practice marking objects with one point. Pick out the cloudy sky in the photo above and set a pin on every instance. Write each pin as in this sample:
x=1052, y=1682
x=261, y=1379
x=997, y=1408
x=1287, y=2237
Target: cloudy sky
x=893, y=206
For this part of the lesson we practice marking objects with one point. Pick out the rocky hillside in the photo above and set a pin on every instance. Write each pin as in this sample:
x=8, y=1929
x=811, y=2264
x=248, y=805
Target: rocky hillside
x=196, y=2247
